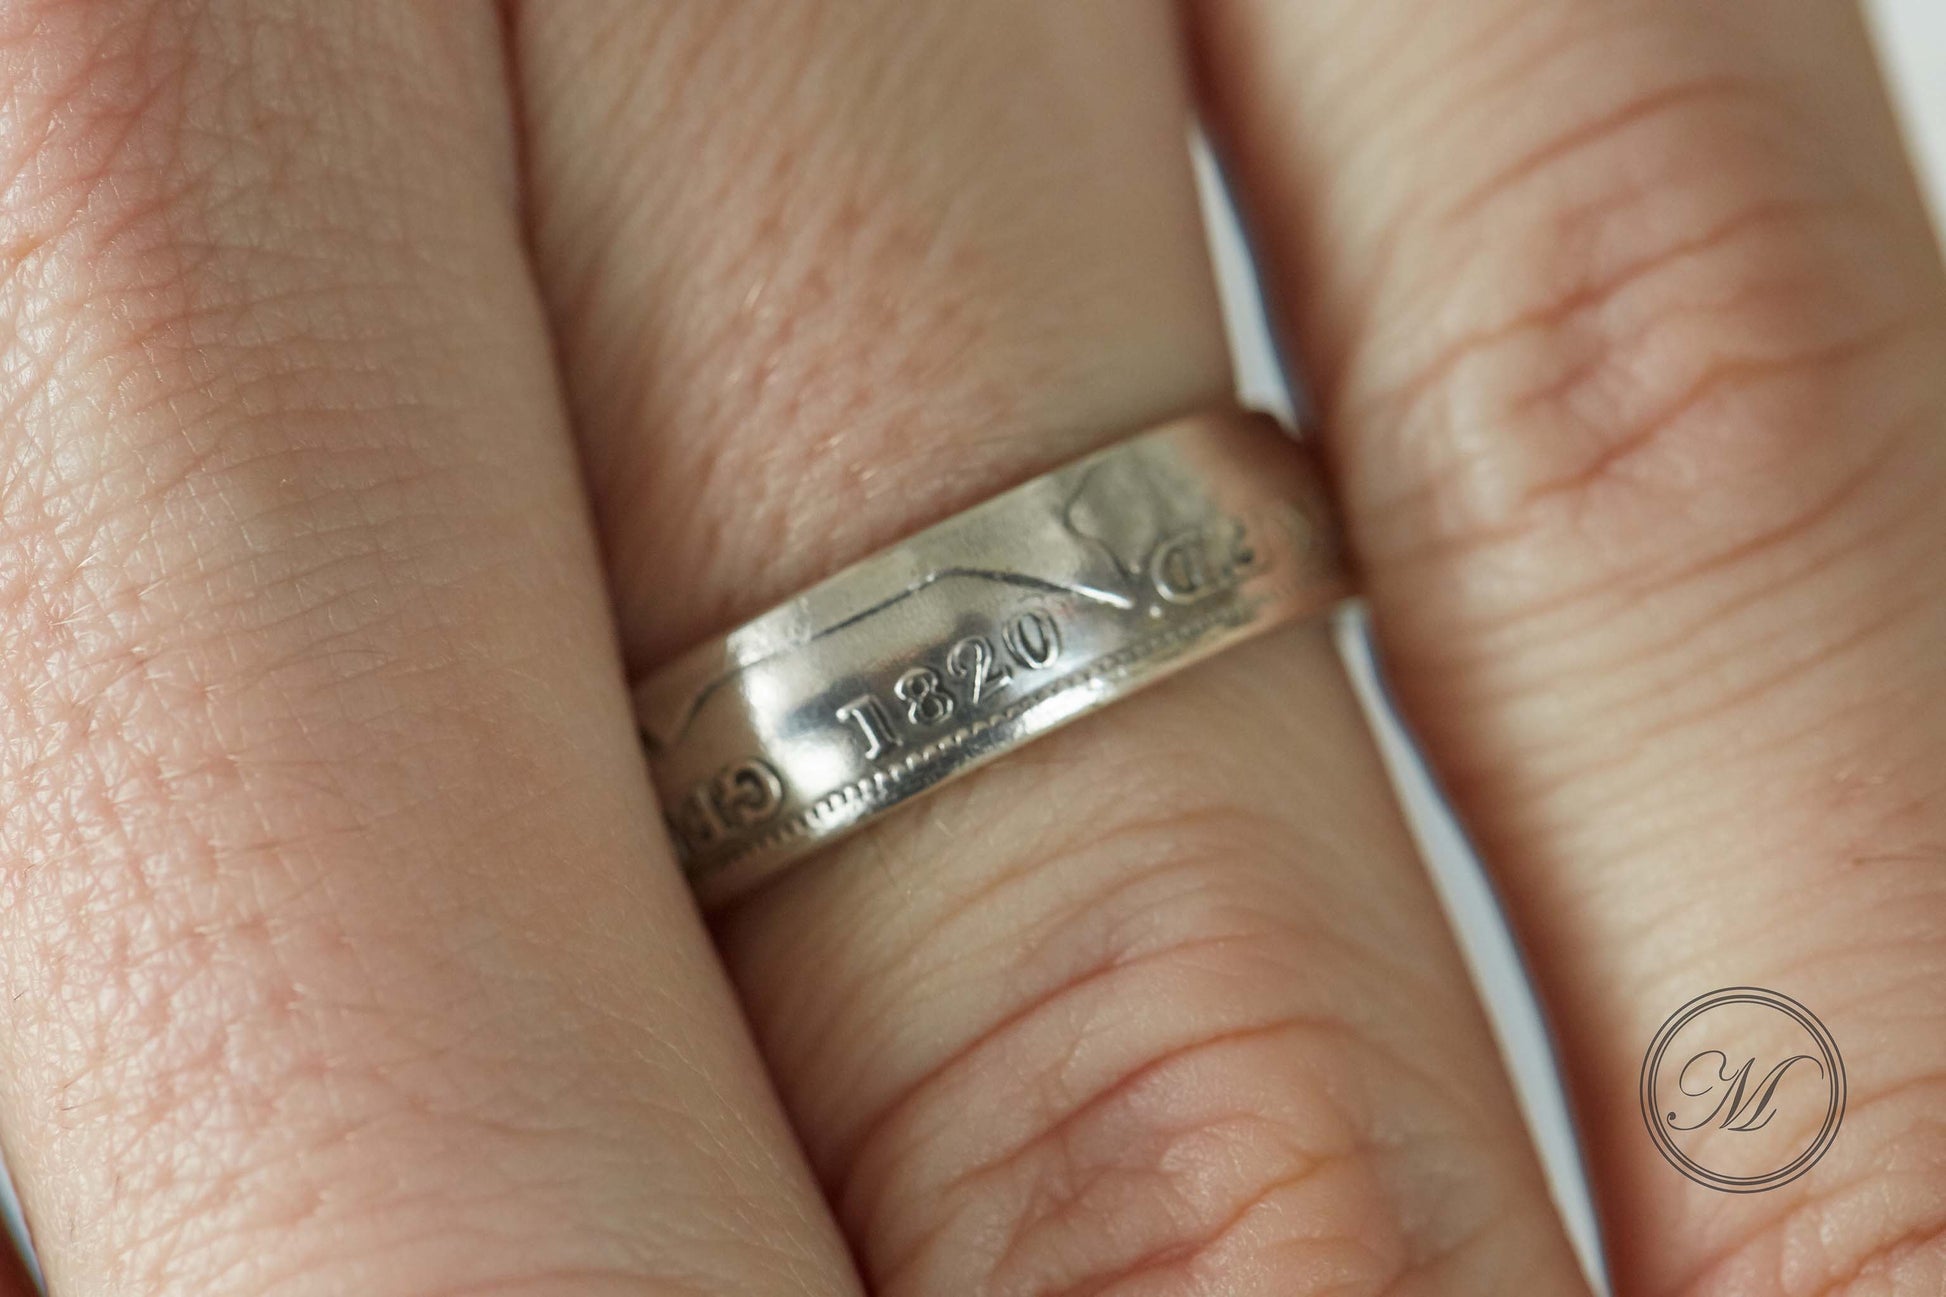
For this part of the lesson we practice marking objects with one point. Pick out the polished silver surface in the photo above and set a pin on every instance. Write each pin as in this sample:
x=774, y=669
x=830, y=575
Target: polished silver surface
x=974, y=636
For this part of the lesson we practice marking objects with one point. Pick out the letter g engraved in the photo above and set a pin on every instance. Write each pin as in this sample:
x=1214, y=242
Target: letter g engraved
x=749, y=793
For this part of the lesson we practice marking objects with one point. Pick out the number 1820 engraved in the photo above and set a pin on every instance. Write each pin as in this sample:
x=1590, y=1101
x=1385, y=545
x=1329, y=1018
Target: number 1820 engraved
x=975, y=672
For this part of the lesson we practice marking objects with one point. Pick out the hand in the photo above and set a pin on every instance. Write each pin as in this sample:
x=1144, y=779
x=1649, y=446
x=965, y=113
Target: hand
x=343, y=950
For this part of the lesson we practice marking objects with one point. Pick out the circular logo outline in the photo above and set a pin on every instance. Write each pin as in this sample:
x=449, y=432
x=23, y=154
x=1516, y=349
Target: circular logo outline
x=1834, y=1072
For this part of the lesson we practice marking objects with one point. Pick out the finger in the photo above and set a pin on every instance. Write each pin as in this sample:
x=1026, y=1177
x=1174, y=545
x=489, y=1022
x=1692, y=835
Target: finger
x=1625, y=320
x=340, y=951
x=1161, y=1004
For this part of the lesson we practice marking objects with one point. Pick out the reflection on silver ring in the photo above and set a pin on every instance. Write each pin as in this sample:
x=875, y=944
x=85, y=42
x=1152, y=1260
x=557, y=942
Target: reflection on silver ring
x=978, y=634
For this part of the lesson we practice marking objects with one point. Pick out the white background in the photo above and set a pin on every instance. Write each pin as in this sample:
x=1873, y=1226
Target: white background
x=1912, y=43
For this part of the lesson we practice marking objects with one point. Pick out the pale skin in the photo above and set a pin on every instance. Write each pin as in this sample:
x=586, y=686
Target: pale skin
x=384, y=384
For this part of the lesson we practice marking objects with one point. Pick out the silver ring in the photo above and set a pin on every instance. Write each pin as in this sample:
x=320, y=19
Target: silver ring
x=960, y=643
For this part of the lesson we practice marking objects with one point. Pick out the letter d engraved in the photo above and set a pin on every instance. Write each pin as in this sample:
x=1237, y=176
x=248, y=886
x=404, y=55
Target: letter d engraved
x=1190, y=566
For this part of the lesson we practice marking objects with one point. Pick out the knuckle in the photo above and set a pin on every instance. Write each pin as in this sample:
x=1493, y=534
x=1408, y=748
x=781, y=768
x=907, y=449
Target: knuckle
x=1879, y=1231
x=1664, y=295
x=1151, y=1107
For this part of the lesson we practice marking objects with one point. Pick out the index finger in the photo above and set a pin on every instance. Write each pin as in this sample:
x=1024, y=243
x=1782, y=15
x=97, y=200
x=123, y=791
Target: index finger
x=341, y=948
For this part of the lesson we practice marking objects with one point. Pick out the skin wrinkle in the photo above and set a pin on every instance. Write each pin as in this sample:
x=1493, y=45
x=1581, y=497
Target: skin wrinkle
x=1666, y=720
x=1784, y=537
x=1562, y=305
x=1037, y=1141
x=1085, y=1107
x=1057, y=930
x=1586, y=301
x=1387, y=135
x=1668, y=417
x=1184, y=1255
x=985, y=904
x=1165, y=955
x=1059, y=1204
x=1028, y=866
x=1714, y=391
x=1025, y=1007
x=1682, y=98
x=1837, y=503
x=1837, y=1278
x=910, y=1106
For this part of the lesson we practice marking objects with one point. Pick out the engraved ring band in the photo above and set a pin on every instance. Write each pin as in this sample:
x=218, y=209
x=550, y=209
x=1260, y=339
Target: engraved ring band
x=978, y=634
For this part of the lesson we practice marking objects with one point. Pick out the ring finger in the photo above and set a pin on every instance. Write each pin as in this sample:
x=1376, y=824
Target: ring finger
x=1162, y=1004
